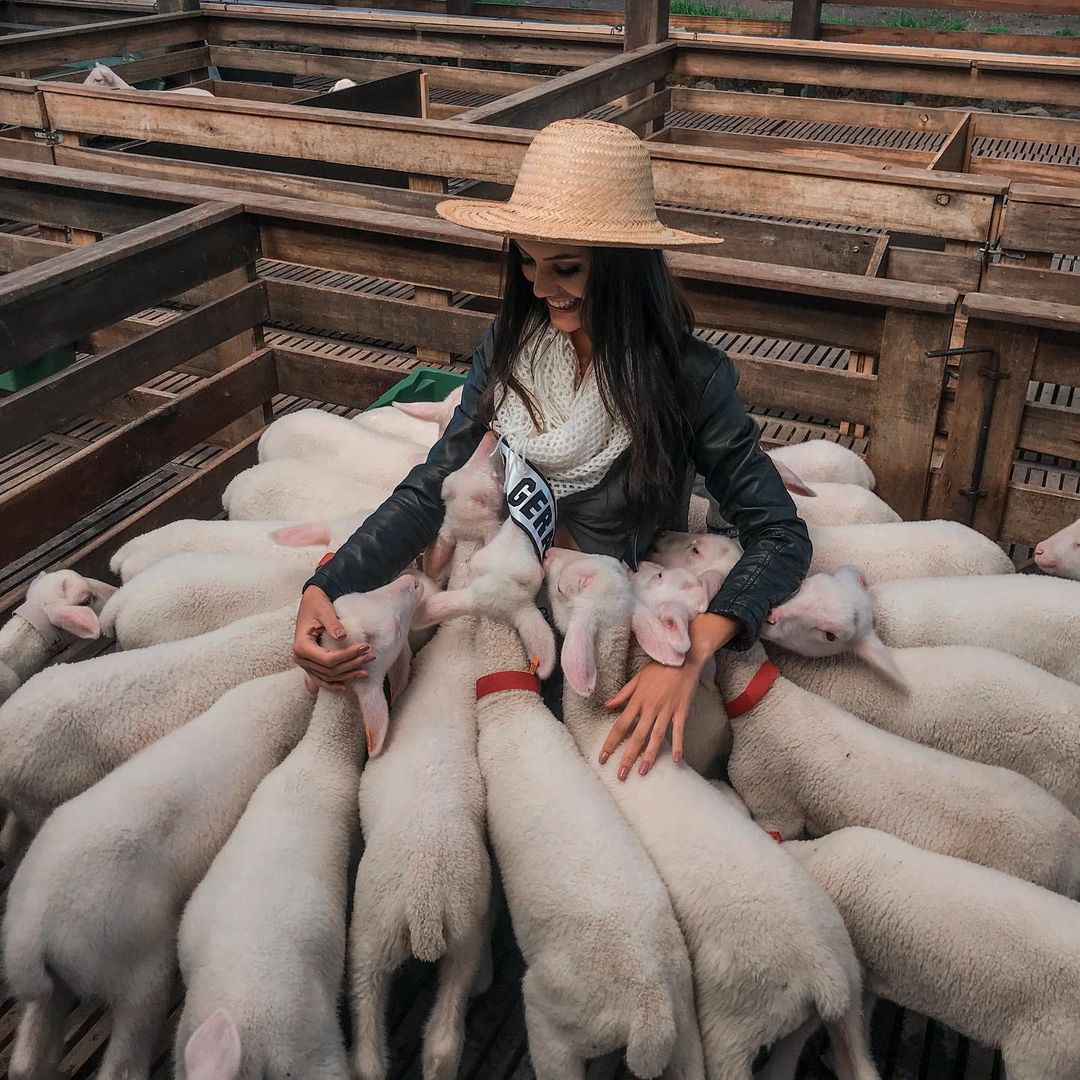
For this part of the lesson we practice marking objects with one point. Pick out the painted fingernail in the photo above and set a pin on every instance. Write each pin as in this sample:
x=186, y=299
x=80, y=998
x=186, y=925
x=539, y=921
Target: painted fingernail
x=643, y=768
x=339, y=633
x=604, y=755
x=677, y=756
x=624, y=772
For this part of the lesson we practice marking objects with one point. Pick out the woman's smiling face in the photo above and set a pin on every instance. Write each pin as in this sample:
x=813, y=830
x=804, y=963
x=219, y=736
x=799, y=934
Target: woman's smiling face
x=559, y=274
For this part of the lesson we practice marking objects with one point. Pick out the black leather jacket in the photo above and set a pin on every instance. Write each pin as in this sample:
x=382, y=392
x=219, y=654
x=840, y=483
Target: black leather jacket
x=725, y=451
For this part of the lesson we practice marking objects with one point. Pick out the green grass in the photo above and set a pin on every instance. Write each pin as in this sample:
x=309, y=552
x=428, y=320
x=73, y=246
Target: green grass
x=1067, y=31
x=715, y=11
x=998, y=28
x=906, y=20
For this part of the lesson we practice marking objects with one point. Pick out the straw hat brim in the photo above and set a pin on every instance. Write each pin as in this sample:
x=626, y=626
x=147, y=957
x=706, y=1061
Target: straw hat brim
x=509, y=220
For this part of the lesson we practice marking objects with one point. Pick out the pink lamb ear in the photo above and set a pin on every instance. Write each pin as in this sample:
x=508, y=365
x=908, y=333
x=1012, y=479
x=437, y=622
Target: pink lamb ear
x=376, y=714
x=793, y=482
x=436, y=559
x=422, y=410
x=79, y=620
x=579, y=654
x=213, y=1051
x=712, y=580
x=663, y=637
x=307, y=535
x=873, y=651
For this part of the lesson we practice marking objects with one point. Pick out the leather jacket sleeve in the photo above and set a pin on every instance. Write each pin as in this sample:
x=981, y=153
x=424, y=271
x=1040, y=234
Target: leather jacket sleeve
x=741, y=477
x=399, y=530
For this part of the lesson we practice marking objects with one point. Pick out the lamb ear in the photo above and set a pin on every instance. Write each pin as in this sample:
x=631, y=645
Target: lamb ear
x=712, y=580
x=309, y=534
x=422, y=410
x=436, y=559
x=659, y=636
x=100, y=590
x=579, y=654
x=213, y=1051
x=376, y=714
x=399, y=672
x=873, y=651
x=792, y=481
x=79, y=620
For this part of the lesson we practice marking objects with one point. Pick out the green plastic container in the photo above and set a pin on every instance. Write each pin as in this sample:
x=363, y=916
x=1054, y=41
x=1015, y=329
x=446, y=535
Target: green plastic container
x=48, y=364
x=424, y=384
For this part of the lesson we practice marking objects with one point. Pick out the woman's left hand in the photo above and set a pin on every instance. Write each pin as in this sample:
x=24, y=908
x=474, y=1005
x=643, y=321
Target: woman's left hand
x=655, y=700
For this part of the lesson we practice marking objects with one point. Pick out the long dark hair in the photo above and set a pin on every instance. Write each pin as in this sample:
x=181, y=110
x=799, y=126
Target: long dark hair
x=638, y=321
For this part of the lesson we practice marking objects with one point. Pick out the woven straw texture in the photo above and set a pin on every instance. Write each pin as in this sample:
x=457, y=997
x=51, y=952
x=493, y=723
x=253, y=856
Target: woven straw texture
x=581, y=182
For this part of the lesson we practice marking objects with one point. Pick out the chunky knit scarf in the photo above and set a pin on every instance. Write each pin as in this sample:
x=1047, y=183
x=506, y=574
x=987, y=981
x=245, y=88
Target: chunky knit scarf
x=578, y=439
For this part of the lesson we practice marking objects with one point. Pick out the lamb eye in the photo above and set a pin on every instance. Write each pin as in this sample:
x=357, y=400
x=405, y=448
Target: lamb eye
x=829, y=635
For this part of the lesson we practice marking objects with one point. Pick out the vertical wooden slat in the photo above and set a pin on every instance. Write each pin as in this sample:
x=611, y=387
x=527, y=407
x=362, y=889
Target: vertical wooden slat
x=1016, y=347
x=433, y=185
x=906, y=404
x=647, y=22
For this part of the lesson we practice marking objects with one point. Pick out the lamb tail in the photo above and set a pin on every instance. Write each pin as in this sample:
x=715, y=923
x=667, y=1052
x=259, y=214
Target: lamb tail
x=425, y=919
x=652, y=1034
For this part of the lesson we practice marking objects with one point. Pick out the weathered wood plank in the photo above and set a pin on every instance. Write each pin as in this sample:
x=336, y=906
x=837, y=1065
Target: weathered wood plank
x=1051, y=429
x=340, y=380
x=954, y=151
x=18, y=252
x=577, y=92
x=453, y=330
x=1033, y=514
x=52, y=303
x=905, y=410
x=1021, y=312
x=154, y=67
x=43, y=407
x=801, y=388
x=59, y=497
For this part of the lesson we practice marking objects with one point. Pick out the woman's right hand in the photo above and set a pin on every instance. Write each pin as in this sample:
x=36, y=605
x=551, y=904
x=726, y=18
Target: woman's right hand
x=328, y=669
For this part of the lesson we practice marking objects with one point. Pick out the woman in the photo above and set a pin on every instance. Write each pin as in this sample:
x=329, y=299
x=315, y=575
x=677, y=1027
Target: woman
x=591, y=372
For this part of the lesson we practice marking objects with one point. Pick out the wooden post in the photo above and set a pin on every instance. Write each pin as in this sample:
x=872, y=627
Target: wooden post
x=434, y=185
x=806, y=25
x=646, y=24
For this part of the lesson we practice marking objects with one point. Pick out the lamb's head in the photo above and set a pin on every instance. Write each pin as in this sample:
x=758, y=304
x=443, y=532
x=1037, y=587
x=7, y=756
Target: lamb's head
x=435, y=412
x=699, y=553
x=475, y=505
x=829, y=615
x=1060, y=554
x=104, y=78
x=588, y=593
x=341, y=84
x=68, y=601
x=213, y=1050
x=665, y=600
x=380, y=618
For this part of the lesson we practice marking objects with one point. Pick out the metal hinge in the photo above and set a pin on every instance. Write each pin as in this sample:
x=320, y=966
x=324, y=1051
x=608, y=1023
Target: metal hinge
x=52, y=137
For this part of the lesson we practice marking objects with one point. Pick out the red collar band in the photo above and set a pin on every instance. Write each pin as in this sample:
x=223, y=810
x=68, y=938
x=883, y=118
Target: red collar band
x=506, y=680
x=325, y=559
x=759, y=686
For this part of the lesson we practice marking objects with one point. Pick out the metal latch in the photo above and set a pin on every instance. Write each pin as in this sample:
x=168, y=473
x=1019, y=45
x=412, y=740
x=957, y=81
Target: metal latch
x=51, y=137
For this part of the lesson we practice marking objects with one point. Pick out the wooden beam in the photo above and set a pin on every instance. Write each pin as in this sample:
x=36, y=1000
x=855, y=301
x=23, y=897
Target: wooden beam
x=43, y=407
x=18, y=252
x=952, y=156
x=453, y=330
x=806, y=19
x=153, y=67
x=342, y=381
x=577, y=92
x=54, y=302
x=646, y=23
x=639, y=116
x=1033, y=514
x=802, y=388
x=52, y=49
x=1065, y=317
x=59, y=497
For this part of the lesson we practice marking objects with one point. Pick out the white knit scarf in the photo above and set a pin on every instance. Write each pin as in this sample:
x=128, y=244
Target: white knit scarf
x=578, y=438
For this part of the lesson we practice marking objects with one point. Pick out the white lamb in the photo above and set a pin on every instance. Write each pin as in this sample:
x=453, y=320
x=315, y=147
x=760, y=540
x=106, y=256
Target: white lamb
x=818, y=461
x=1060, y=554
x=769, y=953
x=903, y=549
x=93, y=910
x=190, y=594
x=822, y=504
x=272, y=958
x=805, y=766
x=69, y=726
x=424, y=883
x=607, y=964
x=341, y=446
x=104, y=78
x=59, y=608
x=289, y=490
x=994, y=958
x=1033, y=617
x=665, y=600
x=419, y=421
x=303, y=543
x=975, y=702
x=342, y=84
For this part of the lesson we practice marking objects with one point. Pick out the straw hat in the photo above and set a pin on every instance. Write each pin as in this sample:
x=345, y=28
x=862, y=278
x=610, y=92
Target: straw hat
x=581, y=182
